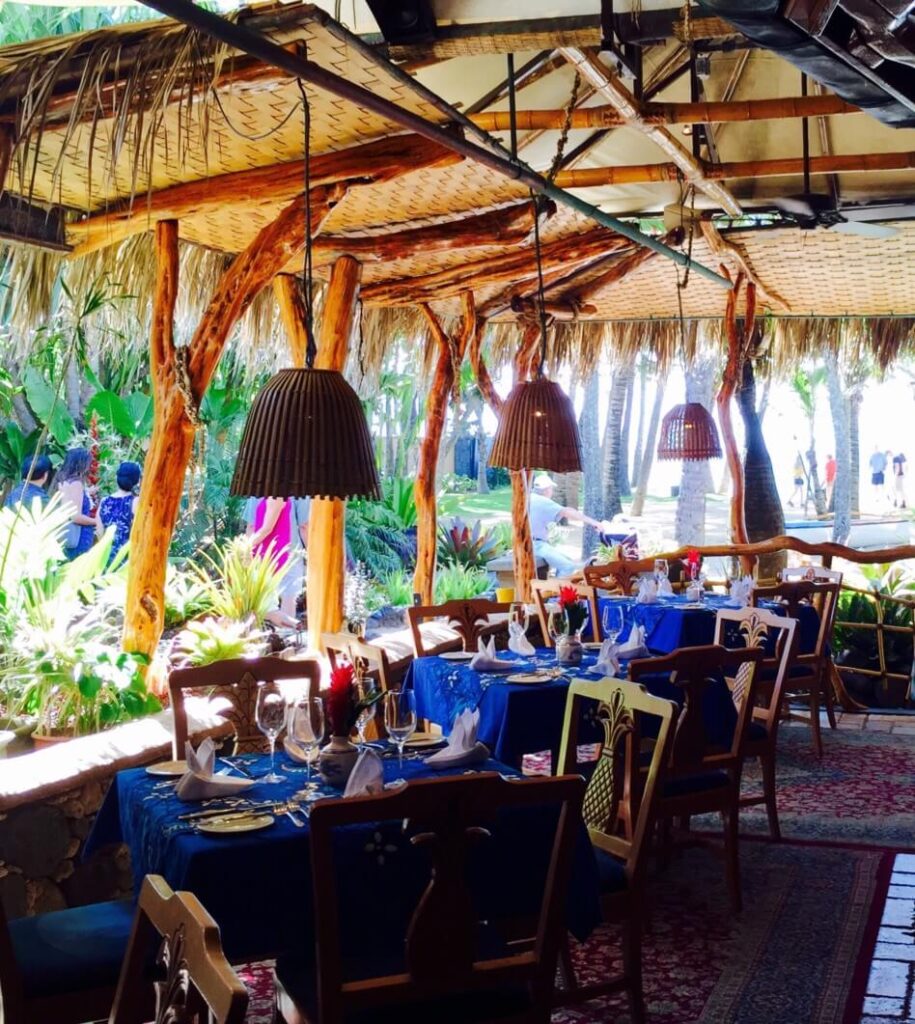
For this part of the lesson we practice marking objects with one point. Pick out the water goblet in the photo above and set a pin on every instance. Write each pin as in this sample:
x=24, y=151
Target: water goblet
x=400, y=718
x=556, y=623
x=305, y=727
x=270, y=715
x=612, y=621
x=366, y=693
x=661, y=570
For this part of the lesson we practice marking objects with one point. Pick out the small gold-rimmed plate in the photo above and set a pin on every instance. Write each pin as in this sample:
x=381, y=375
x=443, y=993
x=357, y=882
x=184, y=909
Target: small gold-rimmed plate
x=425, y=739
x=456, y=655
x=231, y=825
x=592, y=645
x=167, y=768
x=530, y=678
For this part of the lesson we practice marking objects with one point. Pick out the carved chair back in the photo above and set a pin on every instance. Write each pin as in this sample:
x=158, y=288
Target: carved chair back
x=370, y=659
x=810, y=572
x=194, y=983
x=822, y=596
x=618, y=577
x=470, y=619
x=694, y=670
x=544, y=590
x=777, y=636
x=452, y=817
x=619, y=802
x=237, y=680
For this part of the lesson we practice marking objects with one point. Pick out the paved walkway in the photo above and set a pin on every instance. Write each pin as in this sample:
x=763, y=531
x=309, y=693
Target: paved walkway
x=889, y=997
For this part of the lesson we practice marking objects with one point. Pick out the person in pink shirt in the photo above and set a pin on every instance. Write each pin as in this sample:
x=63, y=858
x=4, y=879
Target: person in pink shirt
x=273, y=531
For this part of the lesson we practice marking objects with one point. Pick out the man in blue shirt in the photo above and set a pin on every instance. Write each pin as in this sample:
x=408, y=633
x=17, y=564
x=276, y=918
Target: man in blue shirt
x=39, y=467
x=543, y=511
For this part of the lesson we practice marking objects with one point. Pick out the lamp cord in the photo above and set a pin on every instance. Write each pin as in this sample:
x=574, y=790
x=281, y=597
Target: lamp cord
x=311, y=348
x=541, y=297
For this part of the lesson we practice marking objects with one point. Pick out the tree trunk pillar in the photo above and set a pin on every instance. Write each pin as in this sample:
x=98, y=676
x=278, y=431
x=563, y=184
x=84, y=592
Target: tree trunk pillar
x=326, y=548
x=288, y=292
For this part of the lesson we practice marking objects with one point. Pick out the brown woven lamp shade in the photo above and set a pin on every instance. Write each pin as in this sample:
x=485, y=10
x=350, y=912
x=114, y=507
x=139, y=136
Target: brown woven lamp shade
x=537, y=429
x=306, y=436
x=688, y=432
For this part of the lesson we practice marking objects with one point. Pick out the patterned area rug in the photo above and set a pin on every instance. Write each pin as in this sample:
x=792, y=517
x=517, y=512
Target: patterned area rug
x=798, y=954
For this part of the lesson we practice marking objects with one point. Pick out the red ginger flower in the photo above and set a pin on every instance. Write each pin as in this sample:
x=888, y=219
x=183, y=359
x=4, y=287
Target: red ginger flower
x=339, y=700
x=567, y=596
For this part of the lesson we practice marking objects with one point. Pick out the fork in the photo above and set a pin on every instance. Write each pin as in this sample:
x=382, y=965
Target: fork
x=289, y=810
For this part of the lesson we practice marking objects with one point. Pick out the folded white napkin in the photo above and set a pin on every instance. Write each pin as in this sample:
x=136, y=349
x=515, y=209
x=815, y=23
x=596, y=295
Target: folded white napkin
x=463, y=747
x=634, y=647
x=608, y=660
x=367, y=776
x=485, y=659
x=741, y=592
x=664, y=588
x=518, y=641
x=648, y=592
x=200, y=782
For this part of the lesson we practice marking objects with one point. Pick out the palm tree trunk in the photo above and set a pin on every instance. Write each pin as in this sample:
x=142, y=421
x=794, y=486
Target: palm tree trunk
x=854, y=449
x=689, y=527
x=640, y=426
x=838, y=406
x=625, y=487
x=762, y=505
x=612, y=441
x=589, y=430
x=651, y=441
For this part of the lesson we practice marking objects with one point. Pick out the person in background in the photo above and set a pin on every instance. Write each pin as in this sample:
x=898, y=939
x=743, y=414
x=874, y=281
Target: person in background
x=71, y=484
x=878, y=464
x=899, y=461
x=39, y=468
x=277, y=524
x=118, y=509
x=831, y=467
x=543, y=511
x=799, y=475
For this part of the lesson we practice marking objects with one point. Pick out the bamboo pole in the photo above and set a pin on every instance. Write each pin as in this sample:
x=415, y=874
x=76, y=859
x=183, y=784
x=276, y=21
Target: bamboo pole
x=726, y=249
x=288, y=292
x=326, y=549
x=608, y=116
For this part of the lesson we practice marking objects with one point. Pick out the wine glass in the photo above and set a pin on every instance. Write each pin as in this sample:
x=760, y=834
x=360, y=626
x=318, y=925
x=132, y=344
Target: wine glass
x=400, y=718
x=612, y=621
x=556, y=622
x=660, y=570
x=270, y=715
x=365, y=691
x=305, y=727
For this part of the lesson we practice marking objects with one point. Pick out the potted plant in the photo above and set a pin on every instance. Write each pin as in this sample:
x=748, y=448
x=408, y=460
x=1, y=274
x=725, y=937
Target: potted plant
x=342, y=707
x=569, y=621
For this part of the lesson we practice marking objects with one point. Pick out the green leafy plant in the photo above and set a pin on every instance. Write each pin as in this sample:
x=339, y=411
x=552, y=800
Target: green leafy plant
x=460, y=544
x=453, y=483
x=399, y=497
x=375, y=537
x=398, y=589
x=185, y=597
x=240, y=584
x=460, y=583
x=215, y=639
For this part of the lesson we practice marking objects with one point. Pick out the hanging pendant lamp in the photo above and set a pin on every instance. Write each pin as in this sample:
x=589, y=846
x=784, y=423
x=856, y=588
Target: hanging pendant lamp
x=306, y=434
x=538, y=428
x=688, y=432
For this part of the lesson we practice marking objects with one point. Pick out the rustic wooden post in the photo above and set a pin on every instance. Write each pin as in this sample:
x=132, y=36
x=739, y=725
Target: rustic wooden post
x=450, y=356
x=326, y=548
x=289, y=298
x=730, y=381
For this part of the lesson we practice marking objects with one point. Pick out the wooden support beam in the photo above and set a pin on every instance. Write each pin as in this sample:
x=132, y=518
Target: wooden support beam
x=289, y=297
x=326, y=548
x=526, y=360
x=734, y=254
x=566, y=310
x=562, y=254
x=372, y=162
x=609, y=116
x=451, y=352
x=591, y=177
x=621, y=267
x=622, y=99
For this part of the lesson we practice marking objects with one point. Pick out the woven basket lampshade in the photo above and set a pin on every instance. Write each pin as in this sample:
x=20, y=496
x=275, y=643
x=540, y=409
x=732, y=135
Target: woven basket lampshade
x=537, y=429
x=688, y=432
x=306, y=436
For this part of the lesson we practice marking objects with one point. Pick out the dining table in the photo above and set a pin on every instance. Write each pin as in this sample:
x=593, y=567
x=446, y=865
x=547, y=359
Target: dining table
x=523, y=718
x=258, y=885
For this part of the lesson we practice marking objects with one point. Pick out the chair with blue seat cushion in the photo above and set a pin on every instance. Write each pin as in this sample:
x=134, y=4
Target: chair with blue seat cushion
x=63, y=966
x=810, y=677
x=437, y=960
x=618, y=809
x=779, y=636
x=700, y=779
x=175, y=969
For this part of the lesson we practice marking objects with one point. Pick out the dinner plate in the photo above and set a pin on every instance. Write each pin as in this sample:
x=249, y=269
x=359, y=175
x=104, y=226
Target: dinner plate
x=457, y=655
x=424, y=739
x=592, y=645
x=530, y=677
x=167, y=768
x=227, y=826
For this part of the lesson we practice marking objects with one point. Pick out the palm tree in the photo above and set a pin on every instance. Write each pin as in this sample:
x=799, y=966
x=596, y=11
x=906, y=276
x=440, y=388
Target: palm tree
x=689, y=526
x=856, y=375
x=613, y=454
x=623, y=469
x=589, y=430
x=651, y=442
x=640, y=425
x=805, y=383
x=838, y=406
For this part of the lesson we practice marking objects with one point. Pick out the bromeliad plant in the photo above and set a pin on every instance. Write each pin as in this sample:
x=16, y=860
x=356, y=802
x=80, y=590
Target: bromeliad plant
x=241, y=585
x=472, y=547
x=342, y=703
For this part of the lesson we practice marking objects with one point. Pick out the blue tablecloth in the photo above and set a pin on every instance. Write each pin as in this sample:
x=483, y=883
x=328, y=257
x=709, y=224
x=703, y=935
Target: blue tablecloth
x=258, y=885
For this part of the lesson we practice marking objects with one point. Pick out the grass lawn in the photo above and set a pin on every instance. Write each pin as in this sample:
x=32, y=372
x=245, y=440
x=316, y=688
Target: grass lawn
x=489, y=507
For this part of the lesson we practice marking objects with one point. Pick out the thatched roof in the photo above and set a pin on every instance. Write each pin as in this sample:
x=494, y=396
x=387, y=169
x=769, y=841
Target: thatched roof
x=106, y=121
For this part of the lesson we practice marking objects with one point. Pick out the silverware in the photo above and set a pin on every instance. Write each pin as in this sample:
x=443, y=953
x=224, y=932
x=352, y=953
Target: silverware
x=237, y=766
x=289, y=810
x=239, y=809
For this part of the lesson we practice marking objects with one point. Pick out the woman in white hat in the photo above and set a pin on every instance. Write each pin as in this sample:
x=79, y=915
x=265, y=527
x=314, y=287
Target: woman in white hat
x=543, y=511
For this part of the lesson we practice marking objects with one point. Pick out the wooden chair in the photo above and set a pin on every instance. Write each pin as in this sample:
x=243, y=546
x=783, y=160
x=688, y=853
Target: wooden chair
x=174, y=930
x=443, y=966
x=810, y=572
x=619, y=809
x=752, y=627
x=618, y=577
x=810, y=677
x=237, y=680
x=62, y=967
x=699, y=778
x=543, y=590
x=371, y=661
x=470, y=619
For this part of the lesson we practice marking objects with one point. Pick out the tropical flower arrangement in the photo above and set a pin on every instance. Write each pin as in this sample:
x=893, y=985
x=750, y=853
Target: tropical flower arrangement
x=342, y=702
x=573, y=610
x=693, y=563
